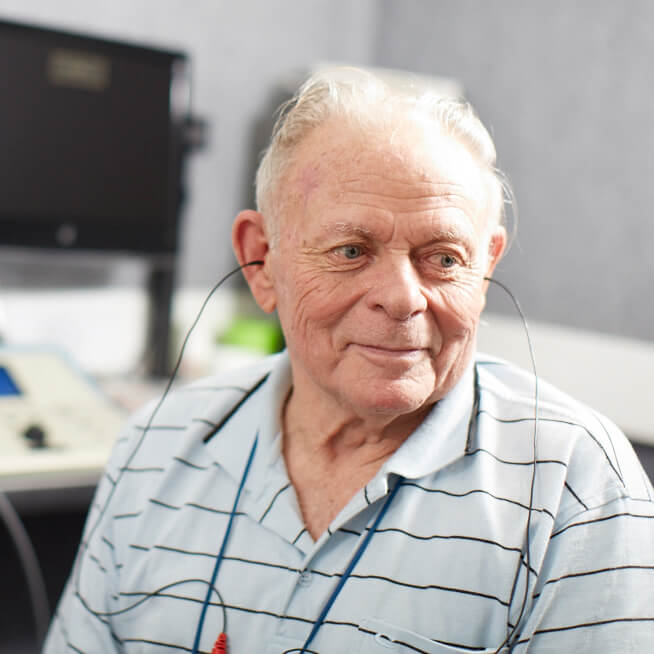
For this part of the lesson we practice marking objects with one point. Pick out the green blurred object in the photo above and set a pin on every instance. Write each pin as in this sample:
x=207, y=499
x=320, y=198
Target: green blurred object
x=253, y=334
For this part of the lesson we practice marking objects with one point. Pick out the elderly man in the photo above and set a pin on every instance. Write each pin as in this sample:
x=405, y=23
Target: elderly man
x=378, y=486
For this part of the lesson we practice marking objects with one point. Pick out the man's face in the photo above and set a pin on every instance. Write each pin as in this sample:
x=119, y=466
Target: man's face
x=378, y=272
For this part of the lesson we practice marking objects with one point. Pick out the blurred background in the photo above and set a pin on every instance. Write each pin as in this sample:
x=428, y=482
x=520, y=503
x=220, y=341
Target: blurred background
x=566, y=90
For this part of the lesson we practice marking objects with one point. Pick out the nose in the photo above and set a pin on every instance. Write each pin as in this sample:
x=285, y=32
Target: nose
x=396, y=289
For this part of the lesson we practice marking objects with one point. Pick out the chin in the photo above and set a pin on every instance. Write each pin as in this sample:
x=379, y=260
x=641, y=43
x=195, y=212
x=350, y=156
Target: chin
x=393, y=397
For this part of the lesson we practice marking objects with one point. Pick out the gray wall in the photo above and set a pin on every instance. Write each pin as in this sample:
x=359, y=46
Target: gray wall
x=566, y=88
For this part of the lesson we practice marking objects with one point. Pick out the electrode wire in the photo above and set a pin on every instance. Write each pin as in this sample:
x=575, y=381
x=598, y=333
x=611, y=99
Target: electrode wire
x=321, y=618
x=147, y=427
x=527, y=555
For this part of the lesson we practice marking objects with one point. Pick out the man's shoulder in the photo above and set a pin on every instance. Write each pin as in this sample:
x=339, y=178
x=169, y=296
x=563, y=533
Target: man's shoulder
x=517, y=416
x=515, y=391
x=163, y=425
x=188, y=401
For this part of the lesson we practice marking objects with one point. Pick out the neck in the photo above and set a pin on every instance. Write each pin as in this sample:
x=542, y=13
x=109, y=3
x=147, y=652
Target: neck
x=335, y=433
x=332, y=451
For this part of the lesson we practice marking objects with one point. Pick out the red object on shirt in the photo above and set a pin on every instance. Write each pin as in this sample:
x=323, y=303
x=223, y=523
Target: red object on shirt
x=220, y=646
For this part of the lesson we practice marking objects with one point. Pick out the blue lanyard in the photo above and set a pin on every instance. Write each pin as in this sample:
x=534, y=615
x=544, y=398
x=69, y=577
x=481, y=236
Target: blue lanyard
x=221, y=553
x=337, y=589
x=350, y=566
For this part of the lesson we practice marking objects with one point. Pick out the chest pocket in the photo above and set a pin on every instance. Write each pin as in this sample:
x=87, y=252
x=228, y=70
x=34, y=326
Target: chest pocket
x=379, y=637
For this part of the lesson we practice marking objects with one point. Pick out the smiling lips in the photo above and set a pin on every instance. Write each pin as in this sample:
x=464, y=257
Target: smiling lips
x=394, y=352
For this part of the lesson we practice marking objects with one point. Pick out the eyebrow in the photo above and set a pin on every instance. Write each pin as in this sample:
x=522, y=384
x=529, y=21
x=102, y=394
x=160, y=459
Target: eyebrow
x=449, y=233
x=348, y=229
x=453, y=234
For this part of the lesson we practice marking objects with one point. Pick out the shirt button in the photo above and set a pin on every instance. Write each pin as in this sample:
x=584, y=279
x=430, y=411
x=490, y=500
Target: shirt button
x=305, y=578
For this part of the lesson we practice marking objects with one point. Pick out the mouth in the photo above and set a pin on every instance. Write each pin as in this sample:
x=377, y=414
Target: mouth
x=396, y=352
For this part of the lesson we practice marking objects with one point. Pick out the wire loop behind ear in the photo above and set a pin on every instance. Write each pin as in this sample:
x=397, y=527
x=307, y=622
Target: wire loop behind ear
x=147, y=427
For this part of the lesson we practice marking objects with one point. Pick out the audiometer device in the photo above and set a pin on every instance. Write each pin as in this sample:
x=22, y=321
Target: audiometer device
x=56, y=426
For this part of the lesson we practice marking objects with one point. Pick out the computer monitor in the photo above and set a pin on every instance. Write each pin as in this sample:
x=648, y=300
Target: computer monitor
x=90, y=142
x=92, y=138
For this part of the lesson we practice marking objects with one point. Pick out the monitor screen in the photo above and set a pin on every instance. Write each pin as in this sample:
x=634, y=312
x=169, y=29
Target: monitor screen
x=90, y=152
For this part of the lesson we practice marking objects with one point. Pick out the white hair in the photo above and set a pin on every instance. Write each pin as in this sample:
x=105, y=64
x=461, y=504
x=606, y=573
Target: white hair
x=359, y=98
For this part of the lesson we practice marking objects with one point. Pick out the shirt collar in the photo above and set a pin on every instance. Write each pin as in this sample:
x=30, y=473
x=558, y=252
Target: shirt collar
x=442, y=436
x=258, y=417
x=438, y=441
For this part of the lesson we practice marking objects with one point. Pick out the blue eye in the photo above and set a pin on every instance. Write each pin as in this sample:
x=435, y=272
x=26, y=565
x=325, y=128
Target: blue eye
x=448, y=261
x=351, y=251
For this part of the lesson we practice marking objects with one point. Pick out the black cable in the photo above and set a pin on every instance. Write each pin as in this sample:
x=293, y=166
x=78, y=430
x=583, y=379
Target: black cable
x=156, y=593
x=36, y=586
x=523, y=559
x=527, y=557
x=147, y=427
x=30, y=564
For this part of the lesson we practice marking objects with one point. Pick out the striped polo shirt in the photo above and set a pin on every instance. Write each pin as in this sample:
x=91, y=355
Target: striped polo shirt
x=497, y=532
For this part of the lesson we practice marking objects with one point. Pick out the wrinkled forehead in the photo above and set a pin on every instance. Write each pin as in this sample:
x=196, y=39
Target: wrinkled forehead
x=406, y=160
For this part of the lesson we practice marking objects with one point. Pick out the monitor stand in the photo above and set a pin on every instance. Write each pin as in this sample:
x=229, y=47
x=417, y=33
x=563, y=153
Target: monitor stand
x=160, y=294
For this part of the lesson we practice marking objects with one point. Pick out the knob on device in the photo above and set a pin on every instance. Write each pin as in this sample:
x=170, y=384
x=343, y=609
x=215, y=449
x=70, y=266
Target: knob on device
x=35, y=436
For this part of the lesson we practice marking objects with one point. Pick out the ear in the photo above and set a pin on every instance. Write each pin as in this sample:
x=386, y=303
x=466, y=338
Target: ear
x=251, y=243
x=496, y=247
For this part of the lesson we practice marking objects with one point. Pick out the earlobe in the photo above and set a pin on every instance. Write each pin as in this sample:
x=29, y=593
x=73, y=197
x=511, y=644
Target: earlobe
x=250, y=243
